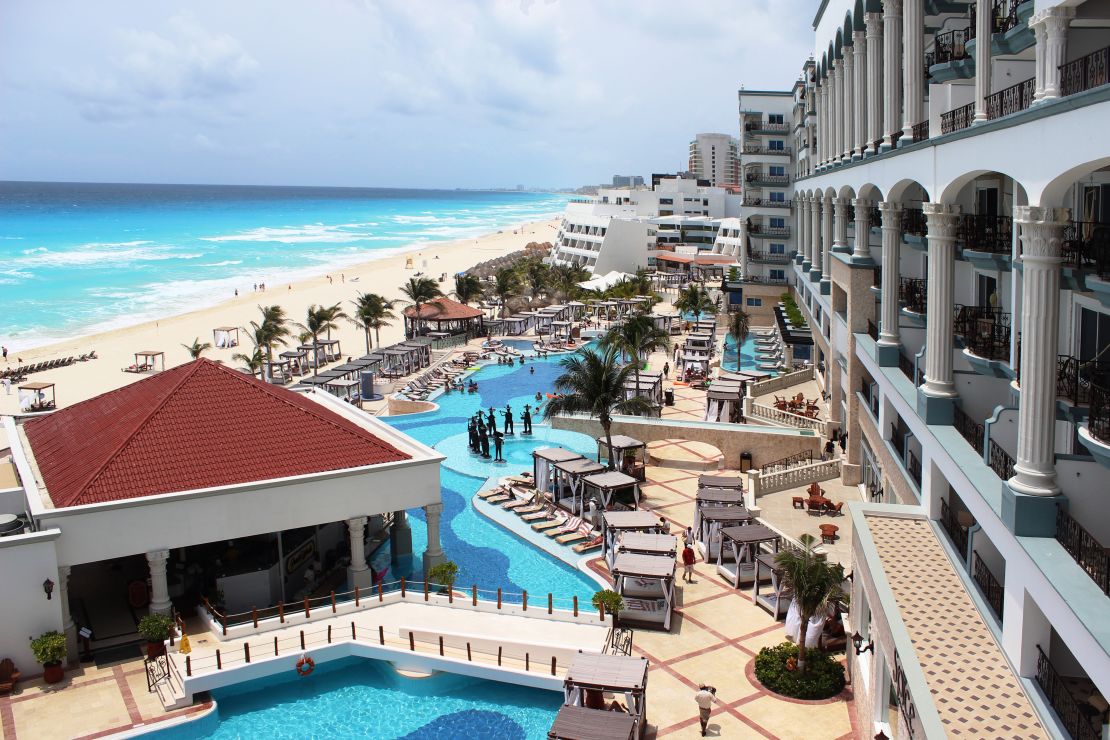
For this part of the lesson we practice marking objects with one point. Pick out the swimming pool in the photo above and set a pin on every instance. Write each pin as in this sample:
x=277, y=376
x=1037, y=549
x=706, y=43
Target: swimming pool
x=747, y=355
x=361, y=698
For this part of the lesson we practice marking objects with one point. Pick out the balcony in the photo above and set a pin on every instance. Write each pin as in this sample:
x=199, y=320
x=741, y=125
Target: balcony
x=993, y=234
x=760, y=178
x=986, y=331
x=914, y=374
x=769, y=232
x=1013, y=99
x=763, y=127
x=1087, y=552
x=958, y=119
x=957, y=531
x=1098, y=420
x=913, y=467
x=754, y=202
x=950, y=46
x=913, y=222
x=969, y=429
x=1076, y=720
x=1075, y=379
x=920, y=131
x=872, y=330
x=1085, y=73
x=914, y=293
x=758, y=149
x=1001, y=462
x=1087, y=246
x=765, y=257
x=992, y=590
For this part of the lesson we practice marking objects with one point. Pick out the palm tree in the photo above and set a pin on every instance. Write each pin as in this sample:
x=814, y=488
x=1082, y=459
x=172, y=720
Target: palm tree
x=506, y=285
x=419, y=291
x=537, y=275
x=372, y=311
x=319, y=319
x=255, y=362
x=739, y=327
x=695, y=299
x=272, y=329
x=637, y=337
x=467, y=287
x=815, y=582
x=197, y=348
x=564, y=279
x=334, y=313
x=593, y=383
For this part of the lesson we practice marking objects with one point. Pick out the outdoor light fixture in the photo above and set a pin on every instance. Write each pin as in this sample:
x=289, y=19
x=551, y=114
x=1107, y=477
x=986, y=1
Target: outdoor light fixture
x=880, y=735
x=857, y=641
x=48, y=587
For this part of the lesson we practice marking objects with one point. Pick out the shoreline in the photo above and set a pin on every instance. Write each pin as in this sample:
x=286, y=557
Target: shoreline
x=115, y=347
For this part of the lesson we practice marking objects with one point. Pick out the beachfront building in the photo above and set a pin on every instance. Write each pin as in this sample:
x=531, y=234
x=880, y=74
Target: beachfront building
x=953, y=217
x=716, y=158
x=625, y=230
x=199, y=487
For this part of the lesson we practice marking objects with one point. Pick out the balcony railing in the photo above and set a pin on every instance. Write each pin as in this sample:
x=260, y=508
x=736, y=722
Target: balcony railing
x=950, y=523
x=1003, y=17
x=774, y=258
x=1001, y=462
x=986, y=233
x=1085, y=73
x=921, y=131
x=913, y=466
x=905, y=364
x=765, y=280
x=765, y=203
x=769, y=232
x=774, y=128
x=914, y=293
x=989, y=339
x=1011, y=100
x=969, y=429
x=1098, y=419
x=875, y=217
x=763, y=178
x=993, y=591
x=1088, y=552
x=872, y=330
x=913, y=222
x=1087, y=246
x=1075, y=379
x=757, y=149
x=1076, y=721
x=950, y=46
x=958, y=119
x=898, y=442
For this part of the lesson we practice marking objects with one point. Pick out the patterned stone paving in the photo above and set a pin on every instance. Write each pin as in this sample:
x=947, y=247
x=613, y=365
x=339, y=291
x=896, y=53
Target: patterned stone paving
x=975, y=691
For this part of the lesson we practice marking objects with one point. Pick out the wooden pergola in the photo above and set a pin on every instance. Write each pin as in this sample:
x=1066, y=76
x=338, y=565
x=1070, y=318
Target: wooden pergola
x=744, y=544
x=443, y=315
x=224, y=337
x=33, y=397
x=584, y=715
x=646, y=583
x=146, y=361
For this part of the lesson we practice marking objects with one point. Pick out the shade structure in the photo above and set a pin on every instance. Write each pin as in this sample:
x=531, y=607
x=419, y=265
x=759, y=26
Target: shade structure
x=543, y=463
x=33, y=396
x=616, y=523
x=711, y=520
x=225, y=336
x=608, y=486
x=569, y=489
x=646, y=582
x=715, y=499
x=721, y=481
x=724, y=401
x=646, y=543
x=769, y=589
x=582, y=723
x=744, y=545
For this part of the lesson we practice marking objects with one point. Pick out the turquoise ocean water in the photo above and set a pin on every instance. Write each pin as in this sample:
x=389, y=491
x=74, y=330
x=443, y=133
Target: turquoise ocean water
x=80, y=258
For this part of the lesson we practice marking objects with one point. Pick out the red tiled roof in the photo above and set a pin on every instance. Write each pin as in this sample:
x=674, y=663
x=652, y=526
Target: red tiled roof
x=198, y=425
x=443, y=309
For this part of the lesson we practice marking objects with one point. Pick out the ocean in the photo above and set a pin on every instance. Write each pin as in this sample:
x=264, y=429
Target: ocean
x=81, y=258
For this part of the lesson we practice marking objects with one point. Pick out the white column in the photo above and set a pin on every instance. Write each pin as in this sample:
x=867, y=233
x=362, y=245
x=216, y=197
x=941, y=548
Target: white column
x=840, y=241
x=983, y=16
x=827, y=237
x=1055, y=23
x=804, y=236
x=159, y=587
x=358, y=572
x=913, y=65
x=941, y=222
x=819, y=126
x=862, y=247
x=1042, y=236
x=892, y=239
x=892, y=69
x=859, y=46
x=836, y=120
x=743, y=248
x=69, y=629
x=848, y=100
x=1038, y=58
x=874, y=23
x=815, y=235
x=434, y=554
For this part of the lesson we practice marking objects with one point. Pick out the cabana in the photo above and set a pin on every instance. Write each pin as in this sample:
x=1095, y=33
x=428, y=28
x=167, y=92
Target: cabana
x=422, y=351
x=624, y=447
x=664, y=322
x=589, y=677
x=315, y=355
x=298, y=361
x=516, y=325
x=724, y=401
x=611, y=488
x=644, y=543
x=569, y=489
x=706, y=480
x=744, y=544
x=148, y=361
x=561, y=329
x=699, y=342
x=616, y=523
x=705, y=326
x=332, y=351
x=694, y=362
x=646, y=583
x=715, y=498
x=651, y=387
x=344, y=388
x=33, y=396
x=277, y=371
x=543, y=465
x=225, y=336
x=776, y=597
x=444, y=315
x=712, y=521
x=577, y=308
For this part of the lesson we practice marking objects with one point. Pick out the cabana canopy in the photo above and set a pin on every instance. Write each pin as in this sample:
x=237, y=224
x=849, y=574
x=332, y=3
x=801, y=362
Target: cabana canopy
x=745, y=544
x=647, y=584
x=591, y=675
x=148, y=359
x=569, y=474
x=721, y=481
x=620, y=443
x=580, y=723
x=32, y=396
x=709, y=520
x=543, y=462
x=442, y=314
x=610, y=483
x=225, y=336
x=647, y=543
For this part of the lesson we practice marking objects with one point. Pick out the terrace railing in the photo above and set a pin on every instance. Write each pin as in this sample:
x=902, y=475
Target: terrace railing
x=913, y=467
x=950, y=46
x=774, y=128
x=872, y=330
x=1077, y=722
x=773, y=232
x=1012, y=99
x=1075, y=379
x=969, y=429
x=906, y=365
x=986, y=233
x=758, y=149
x=913, y=222
x=950, y=523
x=795, y=477
x=1088, y=552
x=921, y=131
x=763, y=178
x=1086, y=72
x=989, y=340
x=785, y=418
x=754, y=202
x=779, y=382
x=791, y=461
x=1087, y=246
x=898, y=442
x=914, y=293
x=993, y=591
x=1098, y=419
x=1001, y=462
x=762, y=255
x=958, y=119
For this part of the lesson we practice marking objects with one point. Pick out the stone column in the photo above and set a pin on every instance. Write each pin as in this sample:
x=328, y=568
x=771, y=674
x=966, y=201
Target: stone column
x=1055, y=23
x=819, y=126
x=840, y=240
x=815, y=238
x=805, y=233
x=358, y=572
x=836, y=120
x=69, y=629
x=400, y=540
x=913, y=65
x=159, y=587
x=892, y=70
x=942, y=222
x=984, y=12
x=862, y=247
x=1038, y=58
x=743, y=249
x=1042, y=234
x=859, y=84
x=848, y=102
x=826, y=240
x=889, y=335
x=874, y=23
x=434, y=554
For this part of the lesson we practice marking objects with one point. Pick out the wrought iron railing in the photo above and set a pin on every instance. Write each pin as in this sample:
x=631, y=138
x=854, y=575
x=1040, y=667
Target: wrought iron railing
x=872, y=330
x=914, y=293
x=1098, y=418
x=1075, y=379
x=989, y=340
x=958, y=119
x=905, y=364
x=877, y=277
x=993, y=591
x=950, y=46
x=921, y=131
x=775, y=258
x=966, y=319
x=774, y=232
x=753, y=202
x=969, y=429
x=986, y=233
x=757, y=149
x=897, y=441
x=1085, y=73
x=1087, y=246
x=913, y=222
x=1001, y=462
x=1076, y=721
x=1088, y=552
x=798, y=458
x=763, y=178
x=913, y=467
x=764, y=126
x=1012, y=99
x=950, y=523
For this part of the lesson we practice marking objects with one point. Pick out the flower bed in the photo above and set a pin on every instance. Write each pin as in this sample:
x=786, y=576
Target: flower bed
x=777, y=669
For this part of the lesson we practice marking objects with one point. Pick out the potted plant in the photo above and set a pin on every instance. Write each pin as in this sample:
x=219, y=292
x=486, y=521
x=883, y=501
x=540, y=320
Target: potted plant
x=155, y=629
x=610, y=600
x=49, y=649
x=444, y=574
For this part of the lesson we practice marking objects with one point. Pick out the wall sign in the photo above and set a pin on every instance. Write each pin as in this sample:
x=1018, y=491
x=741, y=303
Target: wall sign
x=902, y=694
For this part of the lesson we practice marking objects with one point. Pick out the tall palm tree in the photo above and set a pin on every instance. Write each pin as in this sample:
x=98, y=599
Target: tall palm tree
x=537, y=275
x=334, y=313
x=319, y=319
x=593, y=383
x=273, y=329
x=506, y=285
x=637, y=337
x=467, y=287
x=197, y=348
x=420, y=290
x=739, y=327
x=815, y=582
x=372, y=311
x=255, y=362
x=695, y=299
x=564, y=279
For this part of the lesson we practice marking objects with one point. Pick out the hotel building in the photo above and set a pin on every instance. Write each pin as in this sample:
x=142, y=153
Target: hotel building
x=716, y=158
x=953, y=259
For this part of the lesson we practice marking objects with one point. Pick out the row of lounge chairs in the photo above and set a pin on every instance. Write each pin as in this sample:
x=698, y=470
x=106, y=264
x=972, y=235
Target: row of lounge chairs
x=419, y=388
x=539, y=512
x=21, y=372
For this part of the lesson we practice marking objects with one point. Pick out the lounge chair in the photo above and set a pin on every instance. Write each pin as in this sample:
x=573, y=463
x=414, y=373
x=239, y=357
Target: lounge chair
x=546, y=512
x=489, y=493
x=590, y=544
x=581, y=534
x=550, y=524
x=571, y=524
x=9, y=676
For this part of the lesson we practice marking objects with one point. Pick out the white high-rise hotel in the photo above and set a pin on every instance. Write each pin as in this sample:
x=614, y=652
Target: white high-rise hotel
x=952, y=217
x=716, y=158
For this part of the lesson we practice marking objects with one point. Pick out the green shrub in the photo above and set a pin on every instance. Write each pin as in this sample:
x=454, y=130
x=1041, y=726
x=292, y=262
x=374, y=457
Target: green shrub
x=444, y=574
x=155, y=627
x=824, y=676
x=610, y=599
x=792, y=311
x=49, y=647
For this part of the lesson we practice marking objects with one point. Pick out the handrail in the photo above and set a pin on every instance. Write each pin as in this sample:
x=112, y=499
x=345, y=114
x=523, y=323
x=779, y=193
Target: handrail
x=1085, y=73
x=1087, y=551
x=1001, y=462
x=969, y=429
x=1098, y=420
x=787, y=462
x=793, y=477
x=785, y=418
x=950, y=524
x=779, y=382
x=1077, y=724
x=993, y=591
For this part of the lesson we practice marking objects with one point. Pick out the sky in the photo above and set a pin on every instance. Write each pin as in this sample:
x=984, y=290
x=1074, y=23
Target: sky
x=413, y=93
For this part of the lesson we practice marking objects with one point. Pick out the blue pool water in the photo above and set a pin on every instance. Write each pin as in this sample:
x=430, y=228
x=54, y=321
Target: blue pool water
x=747, y=360
x=355, y=698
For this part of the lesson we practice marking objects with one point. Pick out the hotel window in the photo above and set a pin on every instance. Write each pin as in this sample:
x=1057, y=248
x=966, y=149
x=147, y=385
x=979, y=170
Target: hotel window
x=775, y=118
x=778, y=197
x=778, y=274
x=778, y=223
x=754, y=302
x=778, y=248
x=777, y=169
x=776, y=144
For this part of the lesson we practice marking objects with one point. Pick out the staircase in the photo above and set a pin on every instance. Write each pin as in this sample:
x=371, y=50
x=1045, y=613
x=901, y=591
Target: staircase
x=163, y=679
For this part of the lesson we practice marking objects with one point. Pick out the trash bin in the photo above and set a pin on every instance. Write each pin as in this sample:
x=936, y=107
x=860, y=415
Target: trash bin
x=745, y=462
x=668, y=397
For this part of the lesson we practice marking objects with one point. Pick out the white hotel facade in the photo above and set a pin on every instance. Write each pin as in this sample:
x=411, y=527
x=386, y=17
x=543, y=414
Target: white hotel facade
x=953, y=258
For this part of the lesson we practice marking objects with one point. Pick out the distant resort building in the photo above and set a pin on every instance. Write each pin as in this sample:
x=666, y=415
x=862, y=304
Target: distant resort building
x=716, y=158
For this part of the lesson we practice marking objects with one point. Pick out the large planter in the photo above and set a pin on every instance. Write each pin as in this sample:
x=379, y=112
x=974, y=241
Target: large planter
x=155, y=649
x=53, y=672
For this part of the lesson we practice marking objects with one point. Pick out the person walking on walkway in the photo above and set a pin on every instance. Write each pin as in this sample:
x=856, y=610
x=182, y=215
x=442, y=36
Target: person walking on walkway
x=704, y=699
x=688, y=559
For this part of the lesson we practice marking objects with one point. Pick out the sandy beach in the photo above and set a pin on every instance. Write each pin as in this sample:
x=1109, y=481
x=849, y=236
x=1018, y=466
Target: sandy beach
x=115, y=349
